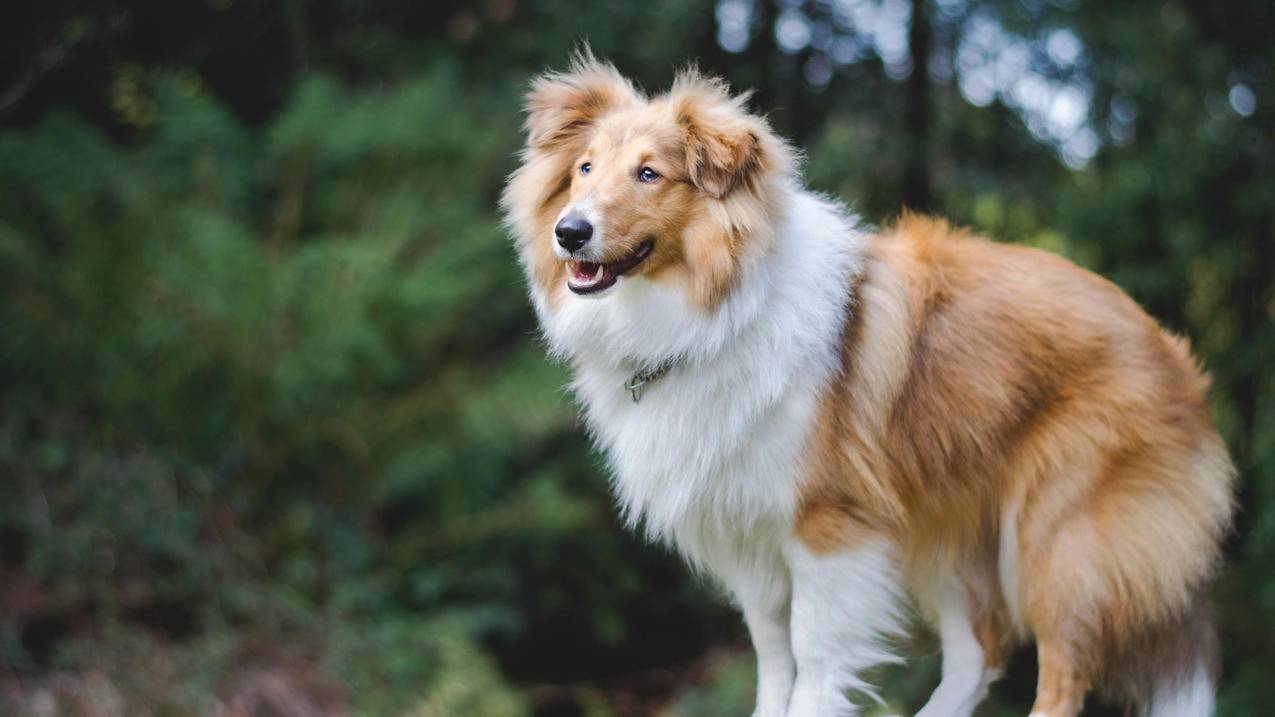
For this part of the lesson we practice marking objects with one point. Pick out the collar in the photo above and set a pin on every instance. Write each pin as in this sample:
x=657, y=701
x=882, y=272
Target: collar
x=645, y=377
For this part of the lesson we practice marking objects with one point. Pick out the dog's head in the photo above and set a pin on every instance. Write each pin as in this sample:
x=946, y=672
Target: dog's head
x=621, y=194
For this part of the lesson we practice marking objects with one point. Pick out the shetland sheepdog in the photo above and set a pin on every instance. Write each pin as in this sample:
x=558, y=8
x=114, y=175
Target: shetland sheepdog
x=843, y=424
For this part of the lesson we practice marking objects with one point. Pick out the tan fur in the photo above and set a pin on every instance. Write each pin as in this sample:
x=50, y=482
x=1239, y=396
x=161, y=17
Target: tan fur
x=713, y=200
x=1061, y=679
x=977, y=373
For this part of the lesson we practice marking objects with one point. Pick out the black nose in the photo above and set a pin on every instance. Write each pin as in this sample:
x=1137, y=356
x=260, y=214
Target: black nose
x=573, y=231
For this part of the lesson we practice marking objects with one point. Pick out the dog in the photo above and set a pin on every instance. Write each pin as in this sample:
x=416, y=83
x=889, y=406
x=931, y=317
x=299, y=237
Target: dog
x=842, y=424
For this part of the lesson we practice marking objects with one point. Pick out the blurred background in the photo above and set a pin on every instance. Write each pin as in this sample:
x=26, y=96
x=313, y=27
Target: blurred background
x=276, y=434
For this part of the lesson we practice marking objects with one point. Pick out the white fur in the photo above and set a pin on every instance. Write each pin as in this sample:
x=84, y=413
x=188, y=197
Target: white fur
x=845, y=608
x=1189, y=696
x=769, y=627
x=1007, y=561
x=965, y=673
x=708, y=459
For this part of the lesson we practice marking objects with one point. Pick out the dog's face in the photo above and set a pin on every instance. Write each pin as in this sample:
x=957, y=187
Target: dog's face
x=620, y=191
x=627, y=204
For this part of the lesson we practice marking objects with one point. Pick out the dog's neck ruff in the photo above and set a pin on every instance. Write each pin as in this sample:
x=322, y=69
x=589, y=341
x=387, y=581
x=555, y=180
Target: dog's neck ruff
x=715, y=445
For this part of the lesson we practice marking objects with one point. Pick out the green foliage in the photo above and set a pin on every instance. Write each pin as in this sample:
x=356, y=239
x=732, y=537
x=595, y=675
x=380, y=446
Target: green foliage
x=428, y=668
x=727, y=694
x=258, y=375
x=273, y=409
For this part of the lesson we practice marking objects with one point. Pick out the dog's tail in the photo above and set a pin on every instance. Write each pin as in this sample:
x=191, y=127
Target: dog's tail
x=1171, y=670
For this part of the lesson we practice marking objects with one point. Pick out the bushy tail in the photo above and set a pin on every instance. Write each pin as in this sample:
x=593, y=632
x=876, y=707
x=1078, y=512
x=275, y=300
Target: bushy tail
x=1189, y=695
x=1172, y=670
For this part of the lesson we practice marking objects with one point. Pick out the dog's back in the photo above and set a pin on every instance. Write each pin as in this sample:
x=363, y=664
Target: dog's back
x=1038, y=445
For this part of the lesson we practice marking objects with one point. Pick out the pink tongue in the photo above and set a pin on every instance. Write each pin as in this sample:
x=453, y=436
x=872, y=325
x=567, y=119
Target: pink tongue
x=585, y=270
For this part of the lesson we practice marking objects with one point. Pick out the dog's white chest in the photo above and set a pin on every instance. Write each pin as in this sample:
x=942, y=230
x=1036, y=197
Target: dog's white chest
x=708, y=460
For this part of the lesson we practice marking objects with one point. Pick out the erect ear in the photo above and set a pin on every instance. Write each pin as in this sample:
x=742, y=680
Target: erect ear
x=562, y=104
x=724, y=143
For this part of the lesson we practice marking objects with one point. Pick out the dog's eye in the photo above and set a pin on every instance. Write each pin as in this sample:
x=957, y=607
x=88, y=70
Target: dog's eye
x=648, y=175
x=584, y=168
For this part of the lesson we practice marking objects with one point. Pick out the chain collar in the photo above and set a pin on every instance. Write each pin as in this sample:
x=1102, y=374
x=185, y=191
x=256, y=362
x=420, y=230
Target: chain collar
x=643, y=378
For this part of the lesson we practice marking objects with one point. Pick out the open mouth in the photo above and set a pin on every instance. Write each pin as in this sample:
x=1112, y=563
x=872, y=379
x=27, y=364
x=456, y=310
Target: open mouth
x=590, y=277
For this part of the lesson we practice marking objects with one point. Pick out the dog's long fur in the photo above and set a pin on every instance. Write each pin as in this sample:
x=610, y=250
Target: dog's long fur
x=855, y=418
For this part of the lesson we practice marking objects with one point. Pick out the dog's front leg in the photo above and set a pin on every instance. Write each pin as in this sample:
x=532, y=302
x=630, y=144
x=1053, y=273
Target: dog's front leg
x=845, y=607
x=763, y=591
x=767, y=621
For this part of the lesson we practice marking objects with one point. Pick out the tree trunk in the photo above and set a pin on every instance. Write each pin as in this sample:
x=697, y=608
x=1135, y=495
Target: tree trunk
x=916, y=177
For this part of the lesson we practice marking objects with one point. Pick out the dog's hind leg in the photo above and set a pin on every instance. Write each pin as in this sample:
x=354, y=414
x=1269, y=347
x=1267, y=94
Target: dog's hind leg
x=845, y=608
x=974, y=637
x=1061, y=683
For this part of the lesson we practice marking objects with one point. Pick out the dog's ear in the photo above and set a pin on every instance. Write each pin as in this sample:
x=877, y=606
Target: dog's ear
x=562, y=104
x=725, y=145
